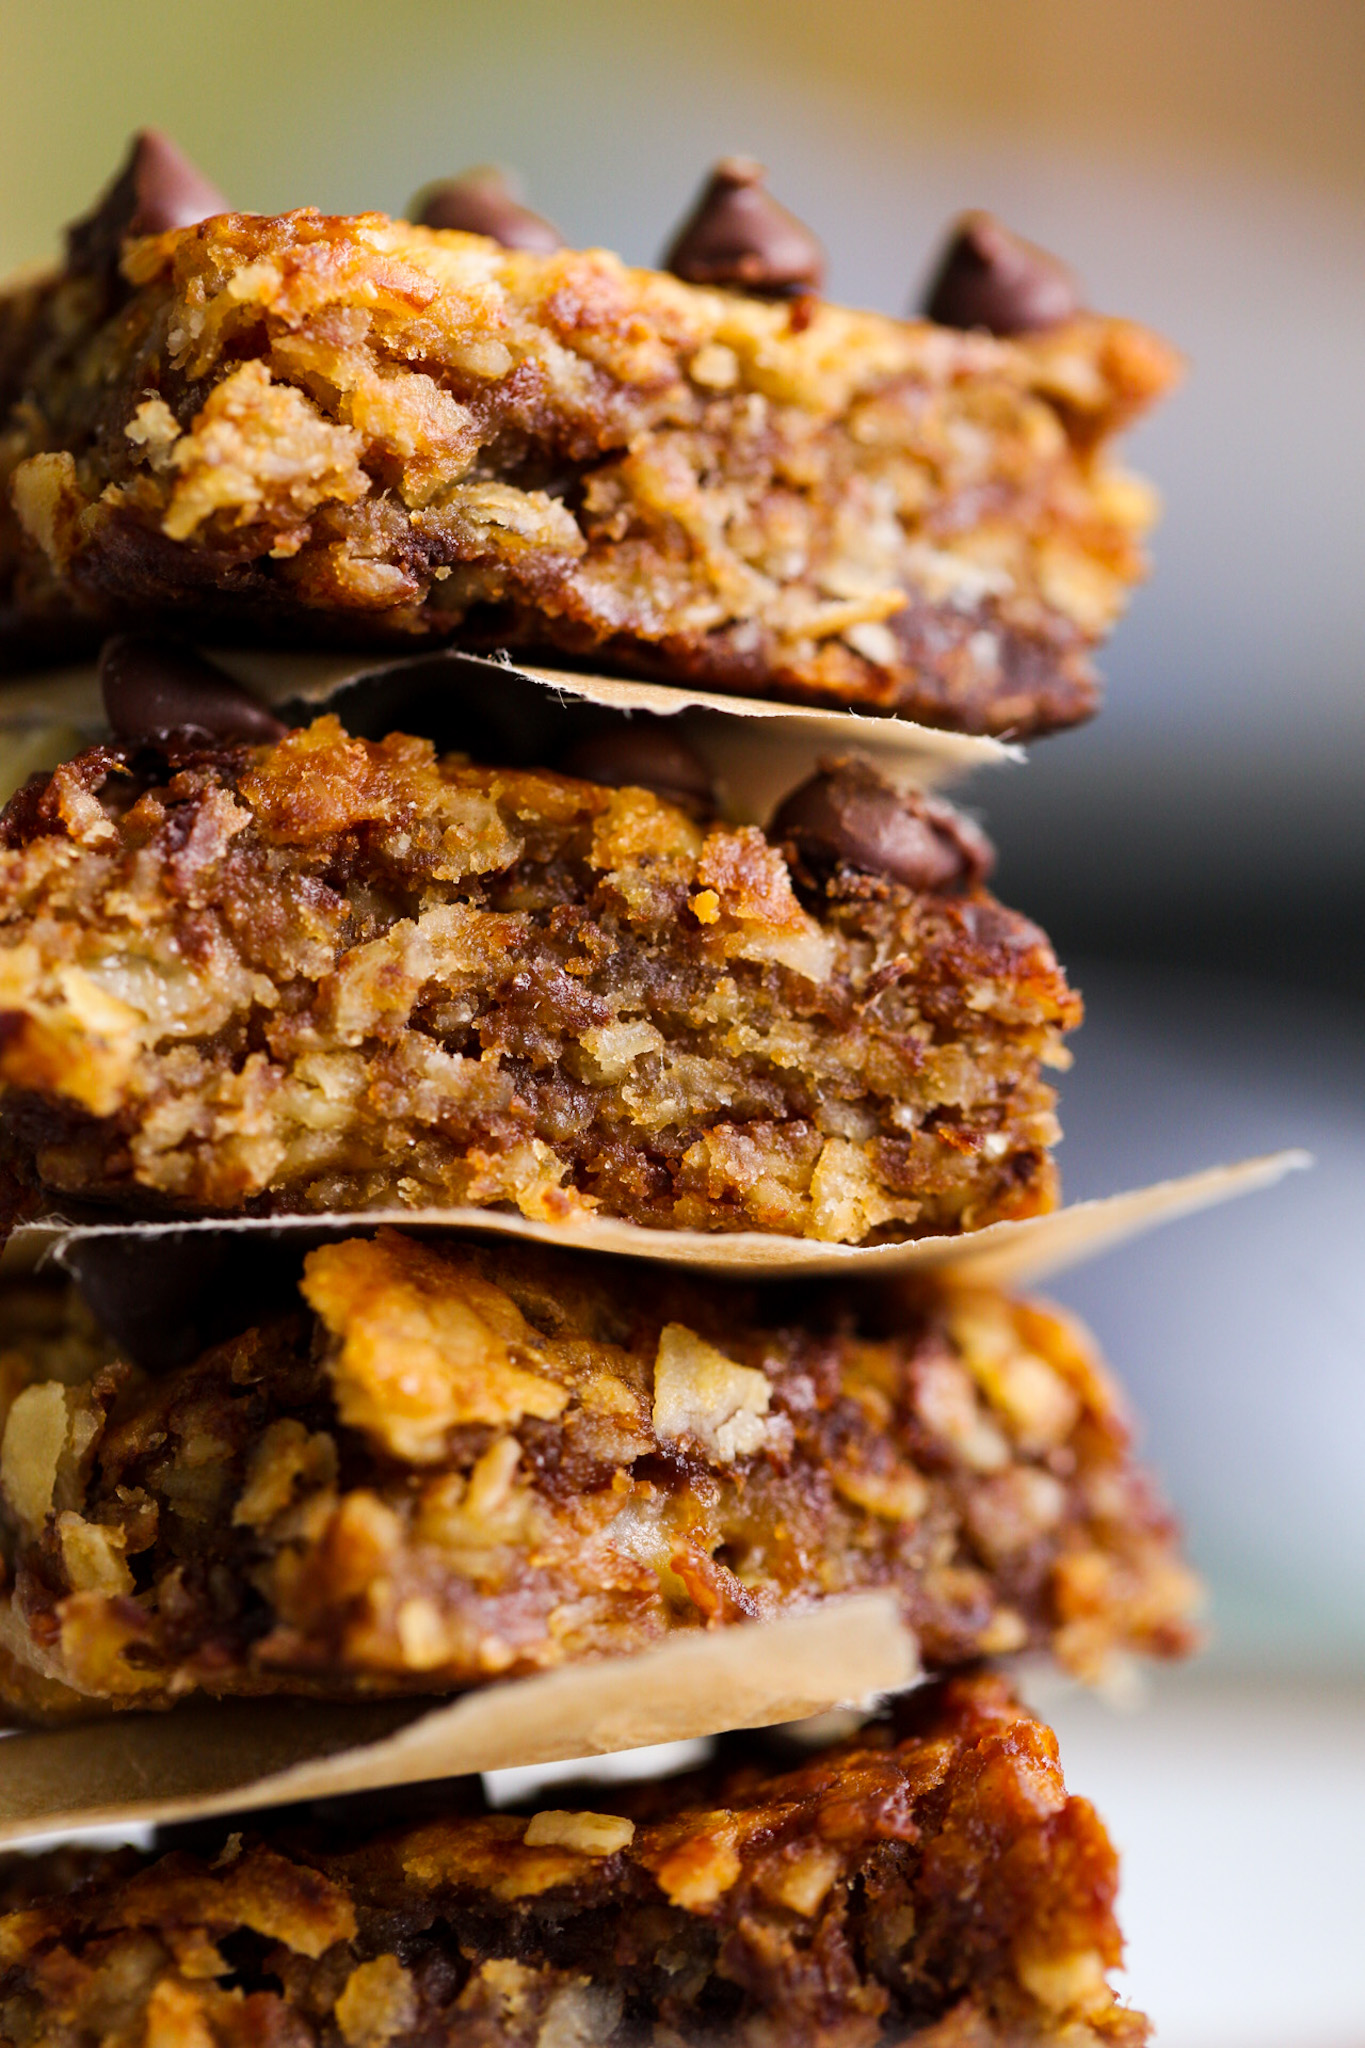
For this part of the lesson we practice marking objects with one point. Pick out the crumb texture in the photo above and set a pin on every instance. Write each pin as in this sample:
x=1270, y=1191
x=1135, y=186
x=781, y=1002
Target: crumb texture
x=329, y=973
x=350, y=428
x=930, y=1884
x=467, y=1462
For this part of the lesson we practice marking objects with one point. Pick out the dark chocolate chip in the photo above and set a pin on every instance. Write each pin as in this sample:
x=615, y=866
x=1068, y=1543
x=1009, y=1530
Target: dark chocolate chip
x=1002, y=930
x=164, y=1299
x=155, y=686
x=994, y=279
x=312, y=1827
x=156, y=189
x=646, y=756
x=738, y=235
x=483, y=203
x=848, y=816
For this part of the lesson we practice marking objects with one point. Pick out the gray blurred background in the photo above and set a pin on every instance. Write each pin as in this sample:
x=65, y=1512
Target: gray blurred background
x=1198, y=854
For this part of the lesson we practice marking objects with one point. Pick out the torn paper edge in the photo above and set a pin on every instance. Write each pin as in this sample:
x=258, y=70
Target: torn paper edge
x=757, y=750
x=1001, y=1254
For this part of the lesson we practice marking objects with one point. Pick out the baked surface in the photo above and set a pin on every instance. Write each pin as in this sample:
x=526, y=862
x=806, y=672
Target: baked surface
x=939, y=1888
x=329, y=973
x=356, y=429
x=461, y=1462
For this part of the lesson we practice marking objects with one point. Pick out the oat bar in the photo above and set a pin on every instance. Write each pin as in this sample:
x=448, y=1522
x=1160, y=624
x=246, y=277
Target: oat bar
x=357, y=429
x=330, y=973
x=449, y=1463
x=927, y=1882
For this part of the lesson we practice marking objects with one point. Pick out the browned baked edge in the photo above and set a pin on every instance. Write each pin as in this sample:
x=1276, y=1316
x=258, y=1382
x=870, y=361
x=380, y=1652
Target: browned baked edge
x=930, y=1881
x=453, y=1463
x=355, y=430
x=330, y=973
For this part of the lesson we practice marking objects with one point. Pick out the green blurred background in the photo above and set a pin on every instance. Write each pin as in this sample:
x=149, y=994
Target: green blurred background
x=346, y=104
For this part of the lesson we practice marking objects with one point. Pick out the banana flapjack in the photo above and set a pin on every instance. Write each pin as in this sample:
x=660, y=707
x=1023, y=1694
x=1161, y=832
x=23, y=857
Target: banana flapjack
x=338, y=428
x=449, y=1462
x=929, y=1881
x=320, y=972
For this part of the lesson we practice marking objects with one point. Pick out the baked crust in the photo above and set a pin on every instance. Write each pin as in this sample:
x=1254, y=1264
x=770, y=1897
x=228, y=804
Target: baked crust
x=933, y=1885
x=466, y=1462
x=332, y=973
x=356, y=429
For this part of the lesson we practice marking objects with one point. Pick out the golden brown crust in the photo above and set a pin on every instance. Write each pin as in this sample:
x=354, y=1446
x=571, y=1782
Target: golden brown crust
x=935, y=1887
x=359, y=428
x=333, y=973
x=470, y=1462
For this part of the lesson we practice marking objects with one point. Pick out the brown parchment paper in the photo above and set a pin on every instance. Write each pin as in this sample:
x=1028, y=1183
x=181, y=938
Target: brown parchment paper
x=237, y=1756
x=1003, y=1254
x=513, y=714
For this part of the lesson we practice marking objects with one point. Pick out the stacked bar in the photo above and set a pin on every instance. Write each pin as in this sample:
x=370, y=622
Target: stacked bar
x=377, y=1015
x=929, y=1881
x=439, y=1462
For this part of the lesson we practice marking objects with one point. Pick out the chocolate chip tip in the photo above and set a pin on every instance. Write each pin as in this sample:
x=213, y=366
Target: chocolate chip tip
x=989, y=277
x=739, y=170
x=484, y=201
x=155, y=189
x=738, y=236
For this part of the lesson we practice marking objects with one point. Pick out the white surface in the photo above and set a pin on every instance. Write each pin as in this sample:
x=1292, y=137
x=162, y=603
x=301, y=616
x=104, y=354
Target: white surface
x=660, y=1760
x=1238, y=1807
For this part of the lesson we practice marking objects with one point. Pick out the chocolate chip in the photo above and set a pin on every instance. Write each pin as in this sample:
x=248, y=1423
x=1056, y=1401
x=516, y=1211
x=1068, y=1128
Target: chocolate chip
x=156, y=189
x=994, y=279
x=155, y=686
x=738, y=235
x=848, y=816
x=992, y=926
x=483, y=203
x=164, y=1299
x=645, y=756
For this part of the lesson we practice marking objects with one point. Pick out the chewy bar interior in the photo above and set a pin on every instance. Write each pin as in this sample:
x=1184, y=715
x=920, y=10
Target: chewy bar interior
x=433, y=1463
x=251, y=968
x=927, y=1881
x=339, y=428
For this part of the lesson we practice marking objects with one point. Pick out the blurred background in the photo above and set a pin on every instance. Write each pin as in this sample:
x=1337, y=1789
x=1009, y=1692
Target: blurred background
x=1198, y=854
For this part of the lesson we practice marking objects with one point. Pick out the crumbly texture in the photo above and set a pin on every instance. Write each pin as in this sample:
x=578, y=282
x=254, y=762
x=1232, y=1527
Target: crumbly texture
x=332, y=973
x=343, y=428
x=933, y=1885
x=467, y=1462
